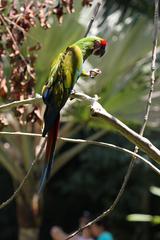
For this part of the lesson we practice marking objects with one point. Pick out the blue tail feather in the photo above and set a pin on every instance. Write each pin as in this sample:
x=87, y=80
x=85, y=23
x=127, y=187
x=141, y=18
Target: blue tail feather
x=50, y=153
x=43, y=179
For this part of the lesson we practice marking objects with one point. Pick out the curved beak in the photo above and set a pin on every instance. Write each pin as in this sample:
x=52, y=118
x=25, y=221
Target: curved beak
x=100, y=52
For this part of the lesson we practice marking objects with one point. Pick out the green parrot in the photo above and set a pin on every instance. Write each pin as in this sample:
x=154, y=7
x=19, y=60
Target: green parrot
x=65, y=71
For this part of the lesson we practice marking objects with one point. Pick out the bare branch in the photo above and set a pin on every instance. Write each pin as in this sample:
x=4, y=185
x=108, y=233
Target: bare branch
x=113, y=146
x=153, y=67
x=98, y=111
x=6, y=107
x=130, y=168
x=111, y=208
x=90, y=142
x=22, y=134
x=153, y=70
x=152, y=80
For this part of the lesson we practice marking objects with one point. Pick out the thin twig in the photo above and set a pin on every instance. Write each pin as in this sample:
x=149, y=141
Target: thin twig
x=16, y=192
x=15, y=24
x=131, y=166
x=97, y=110
x=89, y=142
x=6, y=107
x=110, y=209
x=113, y=146
x=96, y=9
x=153, y=67
x=152, y=79
x=127, y=176
x=22, y=134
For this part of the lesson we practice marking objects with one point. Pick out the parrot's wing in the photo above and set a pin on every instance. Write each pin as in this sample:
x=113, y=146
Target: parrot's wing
x=64, y=73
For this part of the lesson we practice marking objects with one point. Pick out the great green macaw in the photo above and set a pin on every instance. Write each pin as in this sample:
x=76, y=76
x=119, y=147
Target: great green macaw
x=65, y=71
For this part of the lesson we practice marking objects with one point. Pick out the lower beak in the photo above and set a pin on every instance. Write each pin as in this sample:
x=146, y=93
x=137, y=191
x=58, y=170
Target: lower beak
x=102, y=51
x=99, y=52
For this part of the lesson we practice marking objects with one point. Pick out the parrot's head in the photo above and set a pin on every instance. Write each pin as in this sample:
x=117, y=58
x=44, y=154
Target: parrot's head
x=92, y=45
x=99, y=47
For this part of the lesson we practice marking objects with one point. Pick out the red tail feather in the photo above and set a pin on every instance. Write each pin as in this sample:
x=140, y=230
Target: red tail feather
x=50, y=149
x=51, y=141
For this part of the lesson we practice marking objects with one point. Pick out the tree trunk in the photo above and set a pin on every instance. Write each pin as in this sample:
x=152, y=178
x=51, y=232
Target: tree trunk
x=28, y=222
x=28, y=233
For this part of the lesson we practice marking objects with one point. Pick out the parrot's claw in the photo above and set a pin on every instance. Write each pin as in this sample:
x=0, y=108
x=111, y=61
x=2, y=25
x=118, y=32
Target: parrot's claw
x=72, y=92
x=94, y=72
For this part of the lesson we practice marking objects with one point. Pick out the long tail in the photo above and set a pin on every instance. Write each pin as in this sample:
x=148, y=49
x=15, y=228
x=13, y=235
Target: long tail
x=50, y=152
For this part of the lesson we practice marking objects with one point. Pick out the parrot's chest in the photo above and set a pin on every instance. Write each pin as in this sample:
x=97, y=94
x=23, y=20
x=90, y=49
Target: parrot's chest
x=72, y=72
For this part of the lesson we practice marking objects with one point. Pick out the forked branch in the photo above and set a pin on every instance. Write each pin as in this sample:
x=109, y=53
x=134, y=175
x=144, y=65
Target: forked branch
x=98, y=111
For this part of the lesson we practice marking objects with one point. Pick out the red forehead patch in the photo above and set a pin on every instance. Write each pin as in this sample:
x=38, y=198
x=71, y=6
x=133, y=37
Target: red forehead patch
x=104, y=42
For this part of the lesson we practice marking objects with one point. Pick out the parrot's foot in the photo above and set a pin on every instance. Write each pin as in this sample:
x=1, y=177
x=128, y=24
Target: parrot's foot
x=72, y=92
x=94, y=72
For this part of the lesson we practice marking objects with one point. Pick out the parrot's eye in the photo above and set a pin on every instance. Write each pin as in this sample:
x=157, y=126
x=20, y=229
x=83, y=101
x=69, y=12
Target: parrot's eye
x=97, y=45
